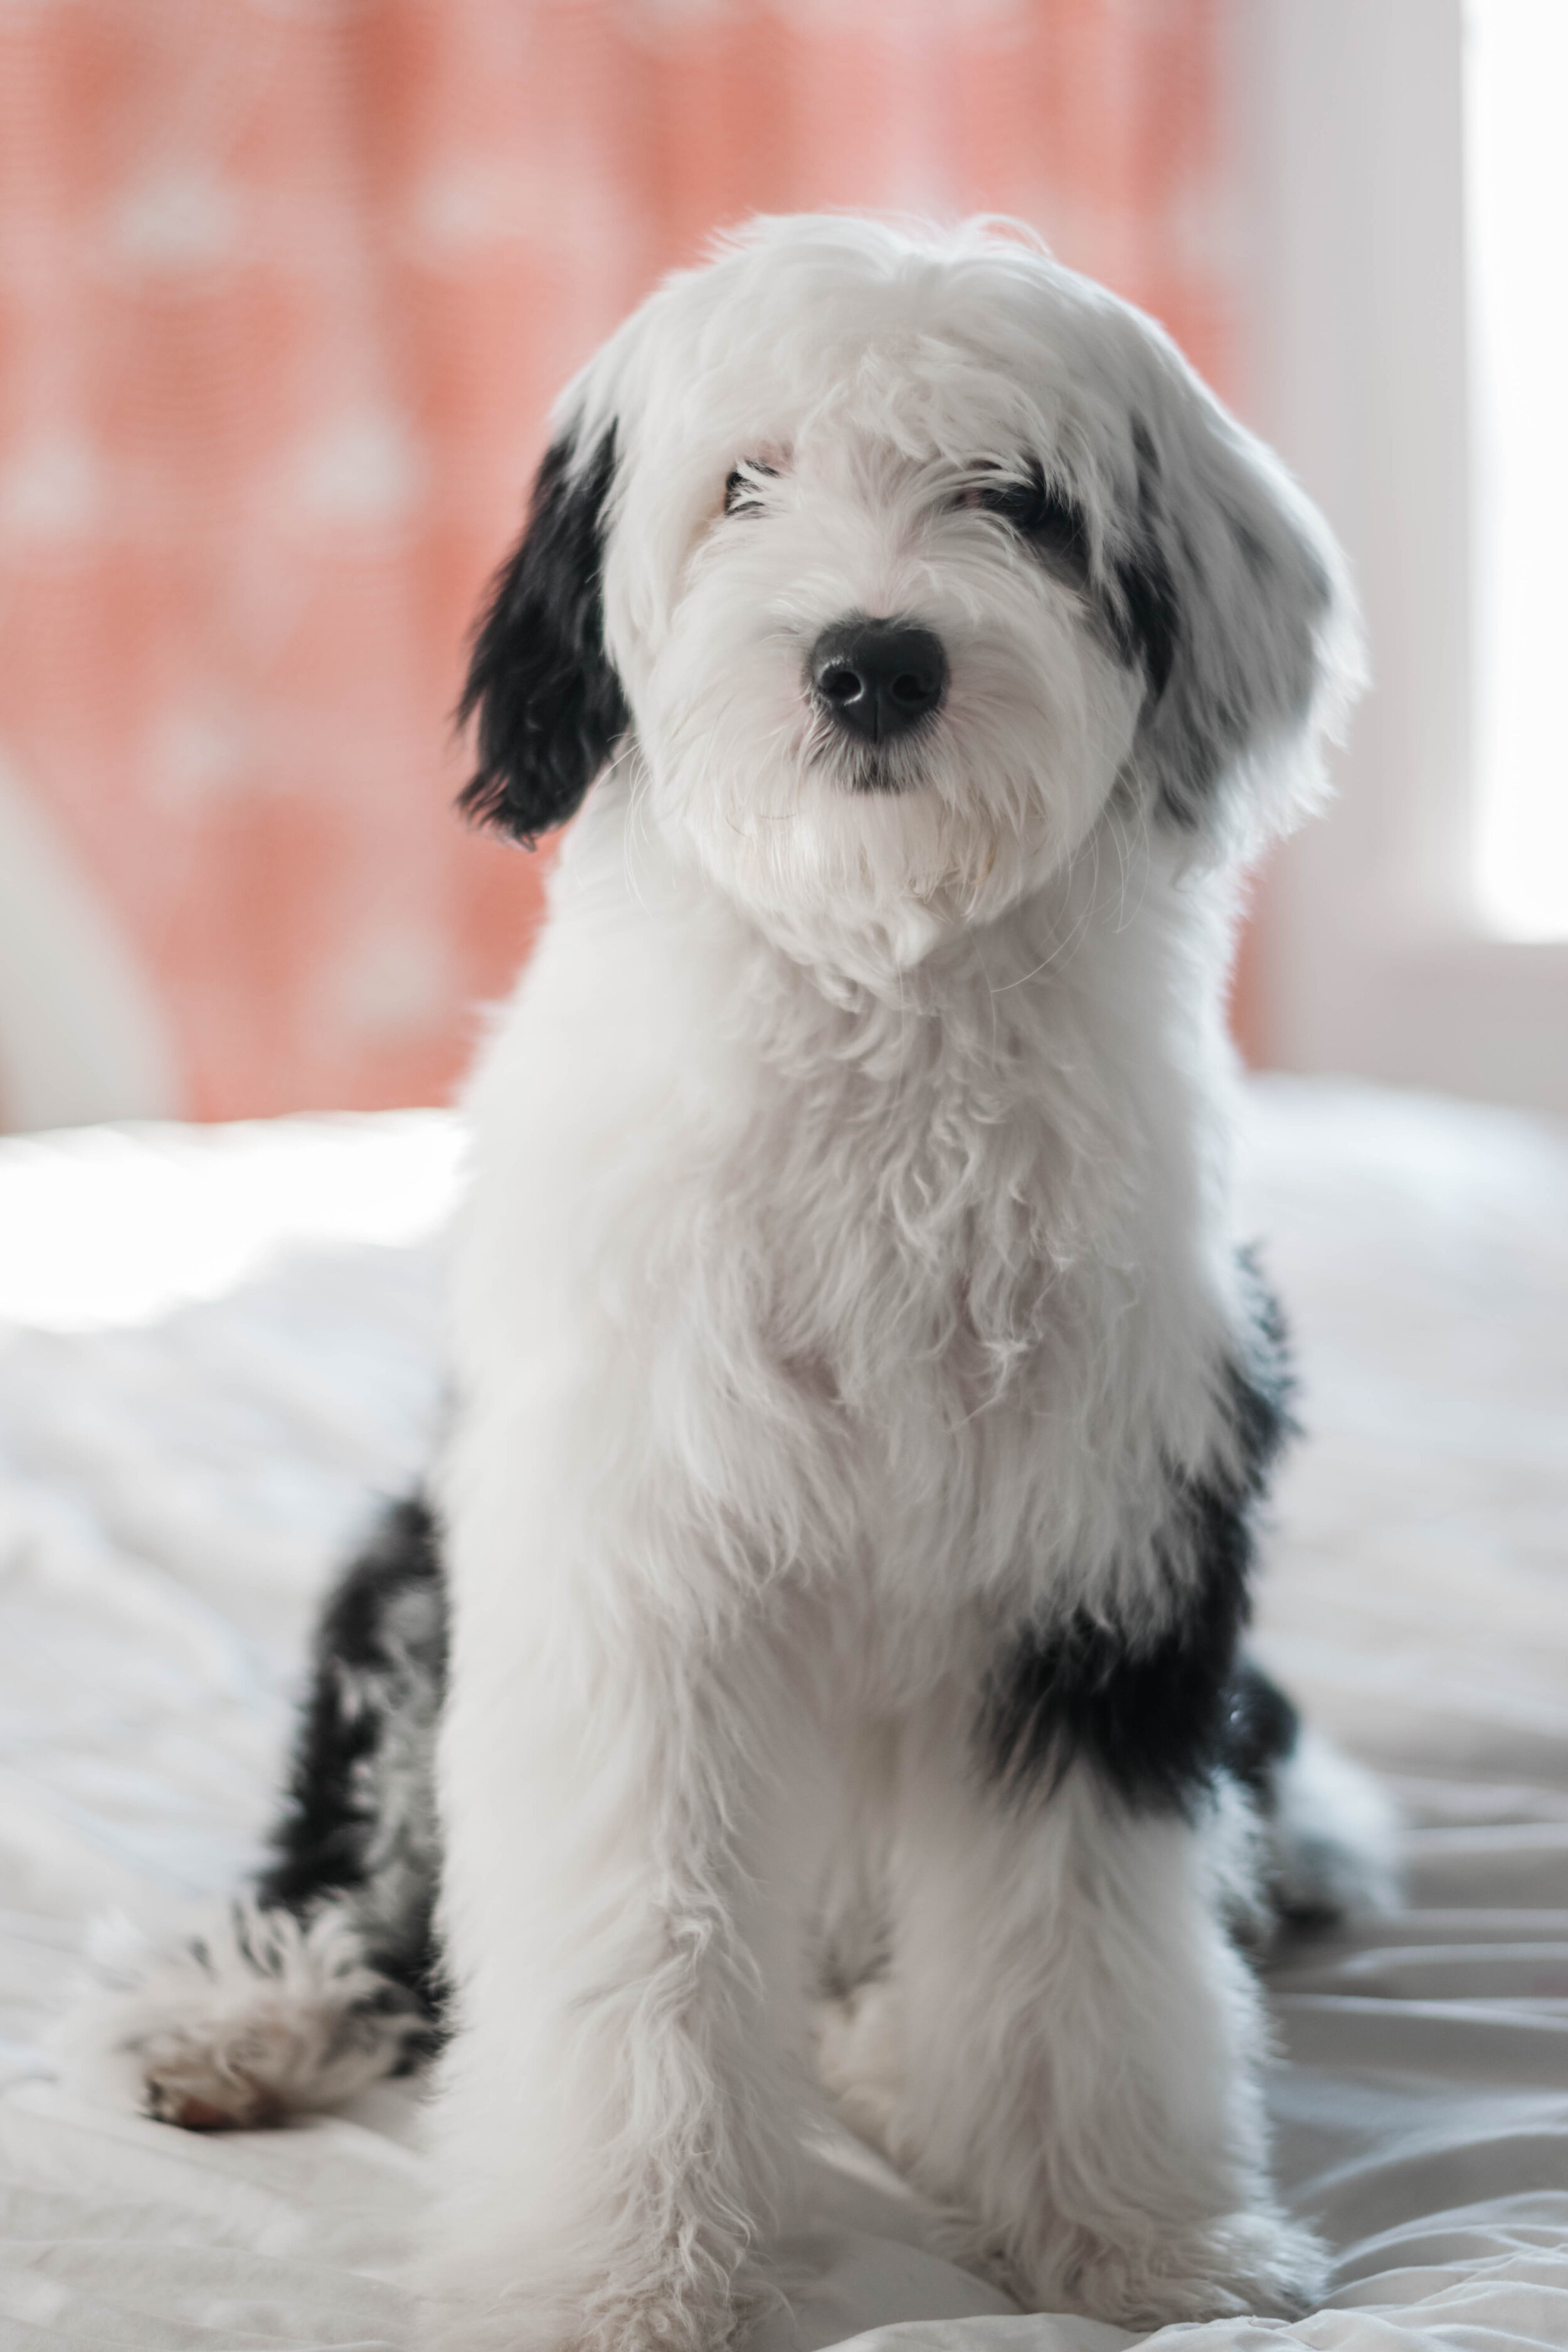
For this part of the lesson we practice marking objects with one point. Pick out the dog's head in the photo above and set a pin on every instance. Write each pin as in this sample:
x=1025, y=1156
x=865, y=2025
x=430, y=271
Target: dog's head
x=893, y=566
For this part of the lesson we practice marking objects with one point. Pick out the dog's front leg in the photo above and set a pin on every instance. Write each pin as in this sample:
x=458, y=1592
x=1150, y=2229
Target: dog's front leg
x=1065, y=2051
x=612, y=2120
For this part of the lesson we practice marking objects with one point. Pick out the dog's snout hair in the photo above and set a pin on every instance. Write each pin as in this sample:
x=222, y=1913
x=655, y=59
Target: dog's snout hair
x=876, y=679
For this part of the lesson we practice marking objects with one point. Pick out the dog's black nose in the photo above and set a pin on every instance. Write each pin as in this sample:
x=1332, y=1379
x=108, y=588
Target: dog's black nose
x=876, y=678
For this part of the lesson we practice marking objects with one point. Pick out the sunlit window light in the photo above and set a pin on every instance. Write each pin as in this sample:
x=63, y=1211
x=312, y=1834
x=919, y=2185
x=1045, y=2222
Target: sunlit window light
x=199, y=1209
x=1516, y=83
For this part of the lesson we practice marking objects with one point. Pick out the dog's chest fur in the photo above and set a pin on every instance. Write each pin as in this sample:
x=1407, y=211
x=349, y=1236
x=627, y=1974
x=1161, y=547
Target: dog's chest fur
x=920, y=1279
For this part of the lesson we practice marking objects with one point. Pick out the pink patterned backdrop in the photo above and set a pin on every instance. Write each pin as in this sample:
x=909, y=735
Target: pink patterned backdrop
x=286, y=288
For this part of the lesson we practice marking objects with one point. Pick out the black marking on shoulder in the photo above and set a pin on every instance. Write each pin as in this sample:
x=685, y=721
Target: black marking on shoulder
x=1151, y=1713
x=547, y=696
x=358, y=1817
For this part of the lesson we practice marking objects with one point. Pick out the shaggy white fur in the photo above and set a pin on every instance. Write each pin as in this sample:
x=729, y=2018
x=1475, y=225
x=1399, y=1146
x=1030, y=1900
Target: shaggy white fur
x=861, y=1403
x=846, y=1283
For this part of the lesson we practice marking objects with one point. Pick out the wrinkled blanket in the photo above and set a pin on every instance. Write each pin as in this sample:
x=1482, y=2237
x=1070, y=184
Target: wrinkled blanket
x=217, y=1347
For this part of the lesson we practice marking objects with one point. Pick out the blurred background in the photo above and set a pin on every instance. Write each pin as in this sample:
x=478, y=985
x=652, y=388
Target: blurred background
x=287, y=288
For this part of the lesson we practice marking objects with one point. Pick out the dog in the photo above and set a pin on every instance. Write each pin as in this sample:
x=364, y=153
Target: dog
x=817, y=1673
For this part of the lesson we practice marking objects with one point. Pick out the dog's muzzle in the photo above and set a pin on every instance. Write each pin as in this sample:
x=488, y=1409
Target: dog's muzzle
x=878, y=679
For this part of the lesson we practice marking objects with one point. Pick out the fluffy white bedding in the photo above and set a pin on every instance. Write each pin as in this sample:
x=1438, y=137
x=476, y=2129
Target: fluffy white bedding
x=214, y=1350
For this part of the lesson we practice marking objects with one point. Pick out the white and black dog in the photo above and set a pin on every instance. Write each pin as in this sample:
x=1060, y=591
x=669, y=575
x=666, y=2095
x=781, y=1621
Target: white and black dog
x=863, y=1406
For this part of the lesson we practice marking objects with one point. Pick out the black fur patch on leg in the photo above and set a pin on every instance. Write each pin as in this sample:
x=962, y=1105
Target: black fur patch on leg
x=1260, y=1730
x=359, y=1824
x=1154, y=1714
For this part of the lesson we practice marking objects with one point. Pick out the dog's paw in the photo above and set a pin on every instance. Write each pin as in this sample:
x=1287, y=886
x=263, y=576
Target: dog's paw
x=260, y=2018
x=1241, y=2264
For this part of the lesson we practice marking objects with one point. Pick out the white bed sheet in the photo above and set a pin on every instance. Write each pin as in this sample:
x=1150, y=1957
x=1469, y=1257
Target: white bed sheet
x=216, y=1348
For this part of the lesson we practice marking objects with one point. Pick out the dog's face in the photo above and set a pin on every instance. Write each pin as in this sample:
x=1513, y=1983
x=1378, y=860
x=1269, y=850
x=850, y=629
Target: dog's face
x=896, y=570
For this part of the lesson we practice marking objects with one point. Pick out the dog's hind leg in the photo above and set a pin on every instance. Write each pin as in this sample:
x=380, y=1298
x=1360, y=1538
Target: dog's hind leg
x=1330, y=1832
x=322, y=1978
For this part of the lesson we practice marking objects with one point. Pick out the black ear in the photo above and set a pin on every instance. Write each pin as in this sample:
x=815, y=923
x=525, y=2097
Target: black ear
x=1225, y=590
x=544, y=691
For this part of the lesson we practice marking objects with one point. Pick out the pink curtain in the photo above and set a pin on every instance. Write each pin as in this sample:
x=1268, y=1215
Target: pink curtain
x=285, y=293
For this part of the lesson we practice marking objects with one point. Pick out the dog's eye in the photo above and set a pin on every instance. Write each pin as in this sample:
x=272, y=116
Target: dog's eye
x=1040, y=513
x=742, y=491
